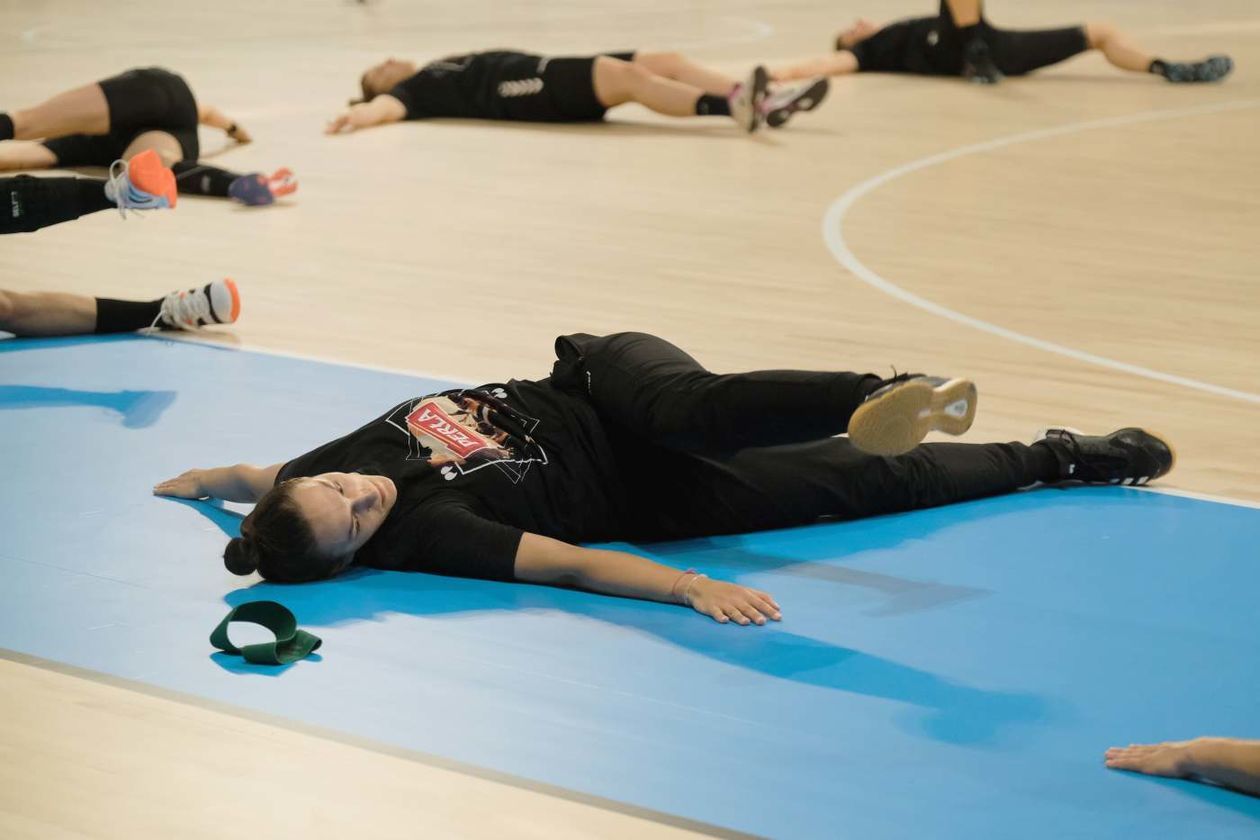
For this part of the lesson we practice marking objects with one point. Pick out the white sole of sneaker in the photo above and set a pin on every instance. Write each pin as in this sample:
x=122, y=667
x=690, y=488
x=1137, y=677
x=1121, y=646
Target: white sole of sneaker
x=899, y=420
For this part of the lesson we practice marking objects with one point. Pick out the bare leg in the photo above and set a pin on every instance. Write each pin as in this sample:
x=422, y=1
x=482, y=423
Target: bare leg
x=617, y=82
x=678, y=67
x=965, y=12
x=165, y=144
x=24, y=154
x=46, y=313
x=79, y=111
x=837, y=64
x=1116, y=48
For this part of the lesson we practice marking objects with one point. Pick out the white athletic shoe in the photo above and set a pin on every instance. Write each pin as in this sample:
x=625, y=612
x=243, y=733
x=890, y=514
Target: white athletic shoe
x=747, y=99
x=215, y=303
x=142, y=183
x=784, y=101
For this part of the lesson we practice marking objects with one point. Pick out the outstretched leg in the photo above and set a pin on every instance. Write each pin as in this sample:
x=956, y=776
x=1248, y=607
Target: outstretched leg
x=617, y=82
x=25, y=154
x=79, y=111
x=59, y=313
x=676, y=66
x=32, y=203
x=252, y=189
x=1123, y=53
x=784, y=486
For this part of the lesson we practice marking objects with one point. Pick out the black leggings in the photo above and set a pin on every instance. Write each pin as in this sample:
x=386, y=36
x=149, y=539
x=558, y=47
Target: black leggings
x=704, y=454
x=28, y=203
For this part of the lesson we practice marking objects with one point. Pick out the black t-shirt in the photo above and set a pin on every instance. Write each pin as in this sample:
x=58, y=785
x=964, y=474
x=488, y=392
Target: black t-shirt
x=928, y=46
x=466, y=85
x=474, y=469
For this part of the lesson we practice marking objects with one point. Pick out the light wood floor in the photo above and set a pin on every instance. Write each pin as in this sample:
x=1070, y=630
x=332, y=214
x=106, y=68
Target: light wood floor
x=462, y=249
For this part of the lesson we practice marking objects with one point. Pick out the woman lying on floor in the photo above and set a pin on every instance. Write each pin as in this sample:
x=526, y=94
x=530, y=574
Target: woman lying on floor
x=631, y=439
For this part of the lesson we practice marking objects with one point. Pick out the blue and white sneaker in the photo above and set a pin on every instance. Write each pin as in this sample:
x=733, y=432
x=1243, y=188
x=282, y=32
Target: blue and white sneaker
x=142, y=183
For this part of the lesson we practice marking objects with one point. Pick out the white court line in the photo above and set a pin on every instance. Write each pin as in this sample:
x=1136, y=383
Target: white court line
x=1201, y=497
x=833, y=235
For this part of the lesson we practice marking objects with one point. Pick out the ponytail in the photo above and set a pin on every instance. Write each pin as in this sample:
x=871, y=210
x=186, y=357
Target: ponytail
x=278, y=543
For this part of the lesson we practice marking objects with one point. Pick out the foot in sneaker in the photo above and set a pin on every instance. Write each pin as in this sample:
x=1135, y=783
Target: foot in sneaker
x=978, y=66
x=215, y=303
x=1129, y=456
x=1211, y=69
x=257, y=190
x=141, y=183
x=780, y=104
x=747, y=100
x=897, y=416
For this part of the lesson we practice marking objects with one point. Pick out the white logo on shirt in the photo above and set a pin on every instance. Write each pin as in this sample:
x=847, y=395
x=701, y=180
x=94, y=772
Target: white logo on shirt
x=520, y=87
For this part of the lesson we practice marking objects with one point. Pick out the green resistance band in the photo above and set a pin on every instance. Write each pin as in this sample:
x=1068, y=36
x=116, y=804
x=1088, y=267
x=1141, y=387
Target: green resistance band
x=291, y=644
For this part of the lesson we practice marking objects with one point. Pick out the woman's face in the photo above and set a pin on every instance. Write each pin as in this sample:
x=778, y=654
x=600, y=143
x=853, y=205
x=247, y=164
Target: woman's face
x=384, y=76
x=344, y=510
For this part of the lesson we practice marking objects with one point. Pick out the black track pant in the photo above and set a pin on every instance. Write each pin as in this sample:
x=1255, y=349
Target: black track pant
x=705, y=454
x=28, y=203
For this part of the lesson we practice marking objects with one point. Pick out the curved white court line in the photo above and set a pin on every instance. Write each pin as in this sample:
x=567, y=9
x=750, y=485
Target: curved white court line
x=833, y=235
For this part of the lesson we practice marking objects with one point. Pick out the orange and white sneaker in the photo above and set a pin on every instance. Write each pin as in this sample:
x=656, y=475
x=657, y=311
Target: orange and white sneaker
x=214, y=303
x=257, y=190
x=141, y=183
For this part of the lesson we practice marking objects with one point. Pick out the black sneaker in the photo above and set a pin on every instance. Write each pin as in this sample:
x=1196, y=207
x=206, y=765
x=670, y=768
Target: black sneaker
x=1129, y=456
x=897, y=416
x=978, y=66
x=1211, y=69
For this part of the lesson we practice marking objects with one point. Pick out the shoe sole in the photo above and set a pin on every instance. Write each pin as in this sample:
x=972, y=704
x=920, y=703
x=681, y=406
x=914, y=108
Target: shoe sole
x=899, y=420
x=147, y=172
x=760, y=82
x=807, y=101
x=235, y=308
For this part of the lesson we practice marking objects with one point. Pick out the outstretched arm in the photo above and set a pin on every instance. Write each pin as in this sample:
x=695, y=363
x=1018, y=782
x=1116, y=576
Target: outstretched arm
x=837, y=64
x=213, y=117
x=544, y=560
x=1231, y=762
x=381, y=110
x=238, y=483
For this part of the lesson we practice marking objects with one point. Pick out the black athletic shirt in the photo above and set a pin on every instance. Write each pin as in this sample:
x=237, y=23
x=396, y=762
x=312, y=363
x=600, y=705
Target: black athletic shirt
x=476, y=468
x=465, y=85
x=928, y=46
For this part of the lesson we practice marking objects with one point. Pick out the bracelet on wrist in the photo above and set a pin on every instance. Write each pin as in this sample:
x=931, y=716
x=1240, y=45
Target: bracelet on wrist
x=686, y=595
x=673, y=590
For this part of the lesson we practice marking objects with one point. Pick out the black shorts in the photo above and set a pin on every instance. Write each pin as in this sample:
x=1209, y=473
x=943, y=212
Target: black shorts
x=546, y=89
x=1016, y=52
x=569, y=85
x=147, y=99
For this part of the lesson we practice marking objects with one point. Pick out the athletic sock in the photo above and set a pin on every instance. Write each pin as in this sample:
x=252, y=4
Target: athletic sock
x=115, y=316
x=6, y=126
x=192, y=178
x=709, y=105
x=32, y=203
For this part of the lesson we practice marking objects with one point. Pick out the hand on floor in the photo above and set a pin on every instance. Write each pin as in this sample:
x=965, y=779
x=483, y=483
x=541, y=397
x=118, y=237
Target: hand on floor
x=186, y=485
x=727, y=602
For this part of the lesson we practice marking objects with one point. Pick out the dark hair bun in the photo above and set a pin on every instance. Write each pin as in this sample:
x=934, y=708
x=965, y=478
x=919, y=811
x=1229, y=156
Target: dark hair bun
x=240, y=557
